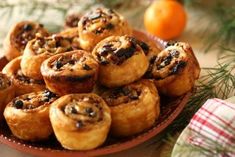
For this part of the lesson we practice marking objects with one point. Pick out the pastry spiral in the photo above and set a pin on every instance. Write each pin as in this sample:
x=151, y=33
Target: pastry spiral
x=122, y=60
x=18, y=37
x=71, y=21
x=40, y=49
x=22, y=83
x=7, y=92
x=134, y=107
x=72, y=35
x=28, y=115
x=175, y=69
x=99, y=24
x=70, y=72
x=80, y=121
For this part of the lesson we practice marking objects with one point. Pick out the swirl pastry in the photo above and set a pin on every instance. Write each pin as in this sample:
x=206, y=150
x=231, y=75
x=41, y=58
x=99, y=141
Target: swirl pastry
x=28, y=116
x=134, y=107
x=40, y=49
x=71, y=72
x=121, y=59
x=71, y=21
x=72, y=35
x=175, y=70
x=22, y=83
x=18, y=37
x=99, y=24
x=80, y=121
x=7, y=92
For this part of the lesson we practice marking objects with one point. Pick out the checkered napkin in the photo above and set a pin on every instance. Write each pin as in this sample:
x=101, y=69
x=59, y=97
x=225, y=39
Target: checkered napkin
x=213, y=128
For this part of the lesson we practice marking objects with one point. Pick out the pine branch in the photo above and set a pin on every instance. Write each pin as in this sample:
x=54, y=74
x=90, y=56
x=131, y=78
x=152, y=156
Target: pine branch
x=222, y=15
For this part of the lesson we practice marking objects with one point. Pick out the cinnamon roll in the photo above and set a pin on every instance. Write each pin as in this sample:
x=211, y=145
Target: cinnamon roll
x=71, y=21
x=72, y=35
x=175, y=70
x=28, y=115
x=22, y=83
x=99, y=24
x=40, y=49
x=80, y=121
x=7, y=92
x=18, y=37
x=71, y=72
x=134, y=107
x=122, y=60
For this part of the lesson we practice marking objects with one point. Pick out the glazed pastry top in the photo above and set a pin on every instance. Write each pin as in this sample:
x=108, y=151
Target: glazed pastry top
x=168, y=62
x=72, y=63
x=100, y=20
x=51, y=45
x=76, y=65
x=118, y=49
x=122, y=95
x=27, y=32
x=84, y=110
x=33, y=100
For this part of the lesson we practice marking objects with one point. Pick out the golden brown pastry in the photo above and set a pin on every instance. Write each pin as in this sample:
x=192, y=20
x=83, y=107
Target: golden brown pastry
x=134, y=107
x=70, y=72
x=175, y=69
x=121, y=59
x=28, y=116
x=71, y=21
x=80, y=121
x=99, y=24
x=72, y=35
x=22, y=83
x=18, y=37
x=40, y=49
x=7, y=92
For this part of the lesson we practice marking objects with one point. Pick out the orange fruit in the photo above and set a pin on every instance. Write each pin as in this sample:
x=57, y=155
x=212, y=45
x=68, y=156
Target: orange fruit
x=165, y=19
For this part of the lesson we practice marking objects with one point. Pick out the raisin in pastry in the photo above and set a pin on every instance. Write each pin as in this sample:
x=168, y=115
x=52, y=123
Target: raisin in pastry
x=121, y=59
x=19, y=35
x=28, y=115
x=40, y=49
x=71, y=72
x=80, y=121
x=175, y=70
x=134, y=107
x=72, y=35
x=99, y=24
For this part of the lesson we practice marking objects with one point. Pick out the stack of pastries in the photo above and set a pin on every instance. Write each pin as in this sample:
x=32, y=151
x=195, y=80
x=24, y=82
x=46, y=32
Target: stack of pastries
x=92, y=79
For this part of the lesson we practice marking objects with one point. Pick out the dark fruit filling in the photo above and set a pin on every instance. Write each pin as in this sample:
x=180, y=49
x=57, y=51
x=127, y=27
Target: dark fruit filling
x=110, y=52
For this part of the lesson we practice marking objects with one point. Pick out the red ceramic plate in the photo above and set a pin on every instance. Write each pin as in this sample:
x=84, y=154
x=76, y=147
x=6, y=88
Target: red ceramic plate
x=170, y=109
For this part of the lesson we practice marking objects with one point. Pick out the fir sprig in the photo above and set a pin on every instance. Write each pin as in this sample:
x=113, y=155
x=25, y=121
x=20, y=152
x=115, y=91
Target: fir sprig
x=222, y=18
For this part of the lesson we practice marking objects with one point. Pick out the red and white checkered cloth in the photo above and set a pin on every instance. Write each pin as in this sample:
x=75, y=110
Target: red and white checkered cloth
x=213, y=127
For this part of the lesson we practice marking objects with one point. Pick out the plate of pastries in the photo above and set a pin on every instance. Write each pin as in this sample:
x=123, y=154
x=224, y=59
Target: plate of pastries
x=97, y=87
